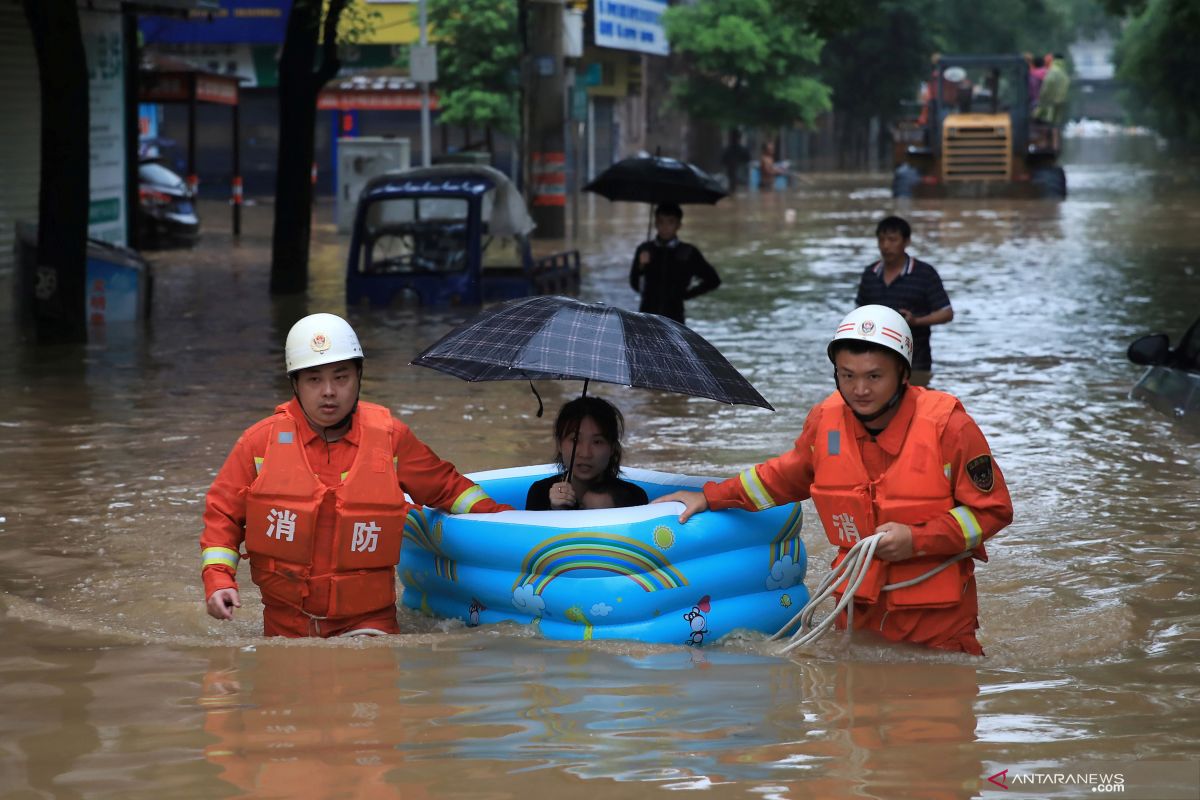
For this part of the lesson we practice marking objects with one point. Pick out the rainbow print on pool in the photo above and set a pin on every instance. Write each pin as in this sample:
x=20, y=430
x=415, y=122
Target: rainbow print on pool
x=622, y=573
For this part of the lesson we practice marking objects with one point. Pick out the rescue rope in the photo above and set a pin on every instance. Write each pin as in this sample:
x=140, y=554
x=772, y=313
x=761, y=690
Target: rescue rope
x=853, y=570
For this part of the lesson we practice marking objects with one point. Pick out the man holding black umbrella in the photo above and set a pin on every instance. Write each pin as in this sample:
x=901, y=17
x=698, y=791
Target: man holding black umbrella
x=667, y=271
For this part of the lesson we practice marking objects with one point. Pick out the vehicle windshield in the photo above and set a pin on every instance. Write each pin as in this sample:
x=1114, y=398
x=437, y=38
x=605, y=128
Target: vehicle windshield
x=988, y=90
x=415, y=234
x=1187, y=354
x=151, y=172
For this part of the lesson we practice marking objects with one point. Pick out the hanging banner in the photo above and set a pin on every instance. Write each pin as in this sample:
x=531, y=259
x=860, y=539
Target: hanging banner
x=106, y=109
x=548, y=174
x=631, y=25
x=235, y=22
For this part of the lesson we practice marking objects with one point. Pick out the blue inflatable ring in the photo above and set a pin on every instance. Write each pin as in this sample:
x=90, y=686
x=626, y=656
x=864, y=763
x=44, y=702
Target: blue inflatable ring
x=621, y=573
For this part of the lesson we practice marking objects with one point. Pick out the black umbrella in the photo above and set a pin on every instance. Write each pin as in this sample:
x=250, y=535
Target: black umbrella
x=656, y=179
x=556, y=338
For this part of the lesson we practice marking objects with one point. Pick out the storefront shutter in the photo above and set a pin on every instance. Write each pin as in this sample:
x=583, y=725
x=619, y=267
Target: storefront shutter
x=20, y=121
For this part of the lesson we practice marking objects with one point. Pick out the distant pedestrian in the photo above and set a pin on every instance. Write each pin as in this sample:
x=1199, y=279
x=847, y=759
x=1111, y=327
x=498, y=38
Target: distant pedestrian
x=1052, y=97
x=911, y=287
x=1037, y=73
x=768, y=168
x=667, y=271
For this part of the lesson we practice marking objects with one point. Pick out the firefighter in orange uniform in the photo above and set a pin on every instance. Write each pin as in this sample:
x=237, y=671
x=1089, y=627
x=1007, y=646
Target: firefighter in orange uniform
x=315, y=492
x=879, y=456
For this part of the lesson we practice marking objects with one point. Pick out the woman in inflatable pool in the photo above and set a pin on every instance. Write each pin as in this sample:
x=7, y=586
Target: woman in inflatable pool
x=591, y=428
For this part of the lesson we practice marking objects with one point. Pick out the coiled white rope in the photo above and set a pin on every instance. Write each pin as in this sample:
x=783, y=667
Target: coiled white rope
x=853, y=570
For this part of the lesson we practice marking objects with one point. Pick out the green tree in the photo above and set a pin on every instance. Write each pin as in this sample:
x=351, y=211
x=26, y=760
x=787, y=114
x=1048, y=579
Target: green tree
x=479, y=54
x=749, y=62
x=996, y=26
x=1158, y=59
x=873, y=69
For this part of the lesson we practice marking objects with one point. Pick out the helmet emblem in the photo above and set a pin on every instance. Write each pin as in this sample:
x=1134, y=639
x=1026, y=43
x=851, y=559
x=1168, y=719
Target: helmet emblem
x=867, y=328
x=320, y=343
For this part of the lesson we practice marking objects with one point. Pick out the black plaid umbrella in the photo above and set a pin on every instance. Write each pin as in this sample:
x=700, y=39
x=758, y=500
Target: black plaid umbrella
x=556, y=338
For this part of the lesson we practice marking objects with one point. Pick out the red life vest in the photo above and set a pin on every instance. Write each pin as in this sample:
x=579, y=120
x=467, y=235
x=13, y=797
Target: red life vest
x=282, y=520
x=913, y=490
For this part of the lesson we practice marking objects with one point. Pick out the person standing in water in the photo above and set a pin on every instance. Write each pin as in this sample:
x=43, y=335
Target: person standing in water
x=667, y=271
x=881, y=457
x=909, y=286
x=315, y=495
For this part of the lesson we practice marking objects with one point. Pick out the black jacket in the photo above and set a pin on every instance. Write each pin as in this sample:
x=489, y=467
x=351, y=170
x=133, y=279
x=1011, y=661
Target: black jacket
x=677, y=271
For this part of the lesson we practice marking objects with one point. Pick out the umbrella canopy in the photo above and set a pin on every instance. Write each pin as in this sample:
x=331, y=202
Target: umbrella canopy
x=656, y=179
x=556, y=338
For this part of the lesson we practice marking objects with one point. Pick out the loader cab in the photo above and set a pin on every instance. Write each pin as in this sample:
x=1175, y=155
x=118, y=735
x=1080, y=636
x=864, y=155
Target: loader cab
x=975, y=135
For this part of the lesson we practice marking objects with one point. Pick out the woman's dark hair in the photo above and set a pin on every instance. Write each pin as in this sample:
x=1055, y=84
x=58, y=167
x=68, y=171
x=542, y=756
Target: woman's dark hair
x=607, y=418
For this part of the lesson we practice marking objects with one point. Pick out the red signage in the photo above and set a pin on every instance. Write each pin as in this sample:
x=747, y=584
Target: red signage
x=373, y=100
x=174, y=87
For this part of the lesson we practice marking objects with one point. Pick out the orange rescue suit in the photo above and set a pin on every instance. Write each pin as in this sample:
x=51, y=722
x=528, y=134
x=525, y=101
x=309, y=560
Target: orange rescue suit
x=322, y=522
x=912, y=491
x=366, y=530
x=930, y=468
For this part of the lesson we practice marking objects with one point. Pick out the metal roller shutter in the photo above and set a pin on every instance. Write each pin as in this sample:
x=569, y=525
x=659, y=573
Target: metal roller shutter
x=20, y=120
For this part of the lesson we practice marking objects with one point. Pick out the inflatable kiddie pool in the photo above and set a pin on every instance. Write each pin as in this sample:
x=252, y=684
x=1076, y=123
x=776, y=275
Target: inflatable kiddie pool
x=621, y=573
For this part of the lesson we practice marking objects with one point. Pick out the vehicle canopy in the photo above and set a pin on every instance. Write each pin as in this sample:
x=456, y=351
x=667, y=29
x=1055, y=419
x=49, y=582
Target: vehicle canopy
x=449, y=234
x=503, y=212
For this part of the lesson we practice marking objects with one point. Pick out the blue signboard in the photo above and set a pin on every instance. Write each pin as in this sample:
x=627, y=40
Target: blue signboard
x=235, y=22
x=631, y=25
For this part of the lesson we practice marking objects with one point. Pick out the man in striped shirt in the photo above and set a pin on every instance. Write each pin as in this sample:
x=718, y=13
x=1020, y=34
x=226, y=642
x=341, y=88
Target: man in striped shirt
x=911, y=287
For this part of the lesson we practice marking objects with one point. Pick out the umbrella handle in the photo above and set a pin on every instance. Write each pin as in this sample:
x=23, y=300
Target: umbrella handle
x=575, y=438
x=533, y=389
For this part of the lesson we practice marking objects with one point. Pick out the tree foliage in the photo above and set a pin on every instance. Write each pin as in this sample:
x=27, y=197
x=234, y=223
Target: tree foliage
x=997, y=26
x=307, y=62
x=1158, y=59
x=750, y=62
x=479, y=53
x=878, y=64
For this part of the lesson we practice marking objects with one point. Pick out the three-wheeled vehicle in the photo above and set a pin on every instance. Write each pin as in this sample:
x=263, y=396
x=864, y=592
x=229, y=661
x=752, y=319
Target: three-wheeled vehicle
x=455, y=234
x=1171, y=382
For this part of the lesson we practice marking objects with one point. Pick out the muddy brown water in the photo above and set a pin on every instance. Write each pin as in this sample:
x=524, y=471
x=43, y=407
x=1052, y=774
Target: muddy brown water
x=115, y=684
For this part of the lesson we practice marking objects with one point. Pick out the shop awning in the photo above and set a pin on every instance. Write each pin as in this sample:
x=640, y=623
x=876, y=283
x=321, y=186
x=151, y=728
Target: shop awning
x=373, y=91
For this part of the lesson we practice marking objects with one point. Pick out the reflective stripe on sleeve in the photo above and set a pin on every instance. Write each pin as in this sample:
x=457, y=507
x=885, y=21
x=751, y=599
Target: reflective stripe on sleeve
x=220, y=556
x=754, y=488
x=468, y=499
x=972, y=532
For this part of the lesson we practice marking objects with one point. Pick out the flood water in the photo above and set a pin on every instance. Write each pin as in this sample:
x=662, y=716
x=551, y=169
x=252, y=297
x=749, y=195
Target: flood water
x=116, y=684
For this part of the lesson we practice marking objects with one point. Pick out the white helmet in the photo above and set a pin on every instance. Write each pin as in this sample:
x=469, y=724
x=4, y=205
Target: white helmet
x=320, y=339
x=876, y=325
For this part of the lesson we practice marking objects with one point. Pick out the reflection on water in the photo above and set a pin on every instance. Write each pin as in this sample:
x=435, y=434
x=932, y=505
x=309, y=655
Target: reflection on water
x=116, y=683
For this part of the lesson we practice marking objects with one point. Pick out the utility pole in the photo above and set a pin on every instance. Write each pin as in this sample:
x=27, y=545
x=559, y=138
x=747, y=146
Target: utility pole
x=425, y=132
x=545, y=96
